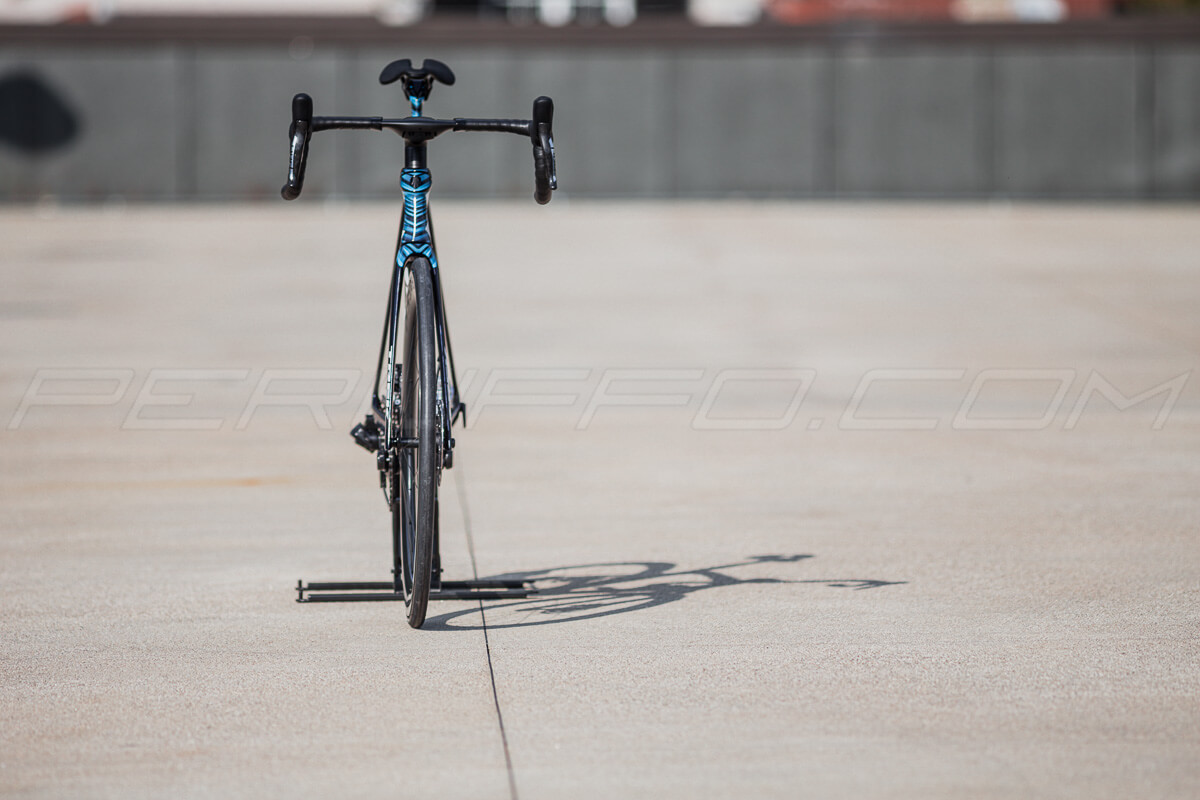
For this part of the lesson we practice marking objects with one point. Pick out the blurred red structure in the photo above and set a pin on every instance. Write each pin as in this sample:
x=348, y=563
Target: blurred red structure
x=810, y=12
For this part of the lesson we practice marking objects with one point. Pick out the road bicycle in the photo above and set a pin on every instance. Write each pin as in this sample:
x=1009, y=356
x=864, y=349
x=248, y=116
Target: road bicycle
x=415, y=401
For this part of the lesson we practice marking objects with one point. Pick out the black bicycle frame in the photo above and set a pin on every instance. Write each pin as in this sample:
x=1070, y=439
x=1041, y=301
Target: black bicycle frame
x=415, y=240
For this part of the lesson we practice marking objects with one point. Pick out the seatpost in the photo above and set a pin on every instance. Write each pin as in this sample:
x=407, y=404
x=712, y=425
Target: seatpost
x=418, y=90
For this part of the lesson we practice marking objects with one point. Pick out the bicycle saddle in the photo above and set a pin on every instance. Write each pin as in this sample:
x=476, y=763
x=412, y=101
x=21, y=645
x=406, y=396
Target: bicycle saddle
x=403, y=69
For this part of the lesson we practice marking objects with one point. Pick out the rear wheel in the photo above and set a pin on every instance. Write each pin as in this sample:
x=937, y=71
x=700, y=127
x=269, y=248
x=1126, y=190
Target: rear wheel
x=415, y=444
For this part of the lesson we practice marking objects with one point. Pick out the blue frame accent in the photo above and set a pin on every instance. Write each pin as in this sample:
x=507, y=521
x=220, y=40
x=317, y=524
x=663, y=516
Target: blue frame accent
x=415, y=236
x=416, y=239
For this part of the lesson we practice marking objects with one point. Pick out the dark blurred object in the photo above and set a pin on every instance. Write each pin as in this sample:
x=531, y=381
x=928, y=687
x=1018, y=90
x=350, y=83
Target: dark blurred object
x=1158, y=6
x=33, y=117
x=662, y=6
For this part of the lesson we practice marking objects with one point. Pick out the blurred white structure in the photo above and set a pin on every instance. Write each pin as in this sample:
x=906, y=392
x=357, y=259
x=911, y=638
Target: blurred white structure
x=557, y=13
x=725, y=12
x=397, y=12
x=1005, y=10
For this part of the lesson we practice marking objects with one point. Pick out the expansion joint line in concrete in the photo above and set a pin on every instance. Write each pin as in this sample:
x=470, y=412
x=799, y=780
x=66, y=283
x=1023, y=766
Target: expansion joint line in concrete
x=462, y=501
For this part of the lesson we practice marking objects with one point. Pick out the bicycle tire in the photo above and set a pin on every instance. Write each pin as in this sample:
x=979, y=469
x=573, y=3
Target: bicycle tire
x=415, y=479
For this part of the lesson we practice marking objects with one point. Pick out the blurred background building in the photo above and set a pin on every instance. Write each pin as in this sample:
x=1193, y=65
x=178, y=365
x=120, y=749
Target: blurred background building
x=613, y=12
x=188, y=99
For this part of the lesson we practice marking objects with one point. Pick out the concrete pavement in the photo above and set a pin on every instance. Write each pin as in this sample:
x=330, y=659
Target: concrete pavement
x=824, y=501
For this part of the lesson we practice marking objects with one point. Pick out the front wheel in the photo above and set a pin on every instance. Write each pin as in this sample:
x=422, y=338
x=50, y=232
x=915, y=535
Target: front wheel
x=416, y=443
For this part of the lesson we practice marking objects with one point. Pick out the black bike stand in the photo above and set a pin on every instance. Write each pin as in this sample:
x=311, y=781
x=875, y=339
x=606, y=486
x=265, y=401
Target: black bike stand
x=355, y=591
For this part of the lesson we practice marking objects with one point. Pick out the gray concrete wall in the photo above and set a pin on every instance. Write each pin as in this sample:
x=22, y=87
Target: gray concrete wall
x=802, y=119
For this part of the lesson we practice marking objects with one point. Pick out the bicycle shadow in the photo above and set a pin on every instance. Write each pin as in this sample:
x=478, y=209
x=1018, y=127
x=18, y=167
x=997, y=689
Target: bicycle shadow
x=591, y=591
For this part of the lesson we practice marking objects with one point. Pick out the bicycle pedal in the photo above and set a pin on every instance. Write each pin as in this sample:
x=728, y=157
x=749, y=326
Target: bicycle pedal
x=366, y=435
